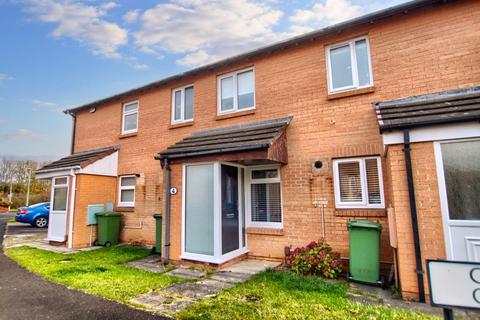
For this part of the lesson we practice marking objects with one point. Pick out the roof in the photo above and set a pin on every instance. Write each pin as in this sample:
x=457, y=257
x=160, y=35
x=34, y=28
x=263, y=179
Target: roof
x=79, y=159
x=429, y=109
x=367, y=19
x=246, y=137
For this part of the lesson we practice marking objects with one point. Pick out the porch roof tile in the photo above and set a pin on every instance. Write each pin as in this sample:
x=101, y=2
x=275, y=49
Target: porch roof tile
x=245, y=137
x=430, y=109
x=79, y=159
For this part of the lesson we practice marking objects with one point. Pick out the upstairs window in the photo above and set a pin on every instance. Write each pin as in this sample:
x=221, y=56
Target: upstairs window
x=358, y=183
x=130, y=117
x=236, y=91
x=126, y=191
x=182, y=104
x=265, y=197
x=349, y=65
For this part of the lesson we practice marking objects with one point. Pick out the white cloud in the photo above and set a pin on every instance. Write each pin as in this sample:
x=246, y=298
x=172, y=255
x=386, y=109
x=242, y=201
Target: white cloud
x=4, y=77
x=83, y=23
x=203, y=31
x=50, y=106
x=21, y=134
x=133, y=62
x=131, y=16
x=323, y=13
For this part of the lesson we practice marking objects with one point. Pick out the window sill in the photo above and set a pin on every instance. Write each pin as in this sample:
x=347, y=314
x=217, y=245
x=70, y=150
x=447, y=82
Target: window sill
x=234, y=114
x=349, y=93
x=360, y=212
x=127, y=135
x=180, y=124
x=265, y=231
x=124, y=209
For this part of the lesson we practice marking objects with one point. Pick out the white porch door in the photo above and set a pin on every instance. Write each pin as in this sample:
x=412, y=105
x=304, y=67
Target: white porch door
x=57, y=224
x=458, y=165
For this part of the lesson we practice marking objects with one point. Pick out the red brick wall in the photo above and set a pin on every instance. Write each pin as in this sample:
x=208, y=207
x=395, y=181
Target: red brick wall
x=429, y=213
x=90, y=189
x=413, y=54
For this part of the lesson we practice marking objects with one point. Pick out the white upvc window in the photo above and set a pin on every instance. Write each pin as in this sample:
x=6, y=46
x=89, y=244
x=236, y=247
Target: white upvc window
x=358, y=183
x=126, y=191
x=182, y=104
x=130, y=117
x=236, y=91
x=349, y=65
x=264, y=197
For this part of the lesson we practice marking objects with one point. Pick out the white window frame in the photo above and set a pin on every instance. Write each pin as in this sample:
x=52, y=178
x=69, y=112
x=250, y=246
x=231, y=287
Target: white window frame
x=182, y=104
x=234, y=76
x=363, y=179
x=353, y=61
x=248, y=196
x=126, y=113
x=122, y=188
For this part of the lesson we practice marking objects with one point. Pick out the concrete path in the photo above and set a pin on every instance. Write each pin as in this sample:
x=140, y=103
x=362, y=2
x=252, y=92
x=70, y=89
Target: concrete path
x=22, y=234
x=24, y=295
x=178, y=296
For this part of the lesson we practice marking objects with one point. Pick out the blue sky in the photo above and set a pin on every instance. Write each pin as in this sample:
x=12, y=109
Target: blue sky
x=60, y=54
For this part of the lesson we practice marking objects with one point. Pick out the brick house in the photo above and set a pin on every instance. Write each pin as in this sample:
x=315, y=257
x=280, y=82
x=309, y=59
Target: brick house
x=284, y=144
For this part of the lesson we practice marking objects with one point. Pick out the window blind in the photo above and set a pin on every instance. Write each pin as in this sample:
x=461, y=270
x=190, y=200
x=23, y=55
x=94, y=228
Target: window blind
x=373, y=181
x=266, y=202
x=350, y=181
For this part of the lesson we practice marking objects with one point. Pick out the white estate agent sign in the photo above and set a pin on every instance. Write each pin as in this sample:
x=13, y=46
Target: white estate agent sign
x=454, y=283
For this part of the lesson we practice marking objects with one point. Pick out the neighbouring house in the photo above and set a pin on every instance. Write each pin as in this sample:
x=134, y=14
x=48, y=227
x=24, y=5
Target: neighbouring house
x=371, y=118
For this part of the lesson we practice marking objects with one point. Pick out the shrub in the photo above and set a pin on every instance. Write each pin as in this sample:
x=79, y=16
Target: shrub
x=4, y=203
x=317, y=258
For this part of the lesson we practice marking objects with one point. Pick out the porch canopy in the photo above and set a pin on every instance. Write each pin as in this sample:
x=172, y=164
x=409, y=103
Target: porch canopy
x=102, y=161
x=253, y=143
x=445, y=107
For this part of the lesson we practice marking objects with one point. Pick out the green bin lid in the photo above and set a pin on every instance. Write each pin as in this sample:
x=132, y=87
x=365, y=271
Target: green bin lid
x=108, y=214
x=364, y=224
x=157, y=215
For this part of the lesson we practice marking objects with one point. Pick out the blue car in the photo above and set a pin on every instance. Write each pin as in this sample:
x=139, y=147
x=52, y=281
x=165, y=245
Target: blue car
x=36, y=215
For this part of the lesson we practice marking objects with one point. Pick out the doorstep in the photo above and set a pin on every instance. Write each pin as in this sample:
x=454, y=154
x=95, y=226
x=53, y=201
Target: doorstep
x=180, y=295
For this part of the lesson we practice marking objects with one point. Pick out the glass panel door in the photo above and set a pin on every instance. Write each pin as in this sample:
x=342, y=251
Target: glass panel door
x=199, y=209
x=230, y=212
x=461, y=197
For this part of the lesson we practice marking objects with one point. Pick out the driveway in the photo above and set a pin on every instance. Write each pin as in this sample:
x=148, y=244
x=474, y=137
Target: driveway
x=24, y=295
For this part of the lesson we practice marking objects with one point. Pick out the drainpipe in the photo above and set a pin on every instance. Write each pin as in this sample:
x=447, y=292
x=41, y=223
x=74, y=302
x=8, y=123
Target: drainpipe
x=72, y=188
x=413, y=213
x=167, y=211
x=74, y=125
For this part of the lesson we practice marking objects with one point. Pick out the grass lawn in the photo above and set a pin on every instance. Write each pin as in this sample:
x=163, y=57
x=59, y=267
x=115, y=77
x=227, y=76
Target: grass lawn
x=283, y=295
x=11, y=220
x=98, y=272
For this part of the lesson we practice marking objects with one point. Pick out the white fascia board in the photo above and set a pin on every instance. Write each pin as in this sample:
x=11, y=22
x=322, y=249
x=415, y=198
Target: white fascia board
x=435, y=133
x=48, y=174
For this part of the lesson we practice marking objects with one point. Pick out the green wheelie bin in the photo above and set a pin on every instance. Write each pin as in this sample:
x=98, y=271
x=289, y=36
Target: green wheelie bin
x=364, y=239
x=108, y=228
x=158, y=233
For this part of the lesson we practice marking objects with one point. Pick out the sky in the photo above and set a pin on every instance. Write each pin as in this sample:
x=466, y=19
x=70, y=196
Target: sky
x=59, y=54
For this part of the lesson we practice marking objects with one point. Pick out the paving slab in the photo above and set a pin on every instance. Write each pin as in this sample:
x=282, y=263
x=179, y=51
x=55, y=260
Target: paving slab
x=251, y=266
x=192, y=290
x=151, y=263
x=230, y=277
x=188, y=273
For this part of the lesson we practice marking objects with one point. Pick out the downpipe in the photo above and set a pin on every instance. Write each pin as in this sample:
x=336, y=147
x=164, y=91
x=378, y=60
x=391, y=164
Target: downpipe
x=413, y=214
x=166, y=245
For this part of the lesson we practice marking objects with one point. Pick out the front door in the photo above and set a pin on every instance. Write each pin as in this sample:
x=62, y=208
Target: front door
x=57, y=224
x=230, y=216
x=458, y=165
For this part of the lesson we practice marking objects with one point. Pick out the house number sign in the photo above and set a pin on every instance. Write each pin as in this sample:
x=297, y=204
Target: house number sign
x=173, y=191
x=454, y=284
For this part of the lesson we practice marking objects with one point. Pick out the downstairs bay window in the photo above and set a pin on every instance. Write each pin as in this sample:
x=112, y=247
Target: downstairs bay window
x=358, y=183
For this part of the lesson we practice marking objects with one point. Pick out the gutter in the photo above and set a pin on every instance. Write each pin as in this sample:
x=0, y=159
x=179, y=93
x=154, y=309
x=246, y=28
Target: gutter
x=166, y=245
x=414, y=217
x=57, y=169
